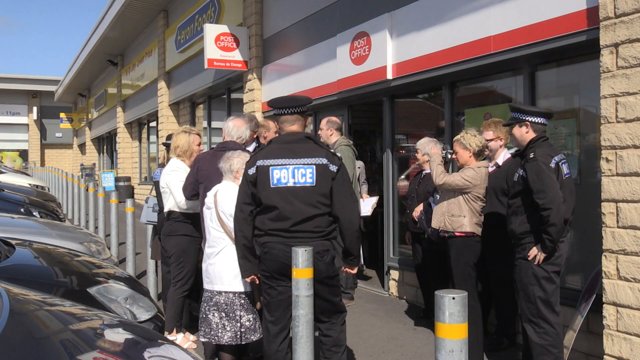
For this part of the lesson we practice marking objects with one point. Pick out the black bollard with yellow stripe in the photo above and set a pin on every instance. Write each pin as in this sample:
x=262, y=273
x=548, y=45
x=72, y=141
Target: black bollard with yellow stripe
x=451, y=325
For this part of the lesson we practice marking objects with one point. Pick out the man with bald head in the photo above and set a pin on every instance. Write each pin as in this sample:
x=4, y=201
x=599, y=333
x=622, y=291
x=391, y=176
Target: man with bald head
x=330, y=133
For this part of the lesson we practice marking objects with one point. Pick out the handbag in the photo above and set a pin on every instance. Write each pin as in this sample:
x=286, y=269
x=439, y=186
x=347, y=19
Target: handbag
x=150, y=209
x=255, y=288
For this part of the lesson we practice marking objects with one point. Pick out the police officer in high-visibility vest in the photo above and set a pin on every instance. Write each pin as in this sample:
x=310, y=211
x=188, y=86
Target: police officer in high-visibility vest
x=539, y=211
x=295, y=191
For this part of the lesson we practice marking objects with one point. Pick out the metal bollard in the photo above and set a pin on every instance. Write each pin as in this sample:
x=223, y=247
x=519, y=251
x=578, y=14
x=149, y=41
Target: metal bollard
x=451, y=325
x=113, y=204
x=130, y=244
x=302, y=333
x=152, y=276
x=83, y=203
x=68, y=191
x=101, y=214
x=76, y=200
x=92, y=207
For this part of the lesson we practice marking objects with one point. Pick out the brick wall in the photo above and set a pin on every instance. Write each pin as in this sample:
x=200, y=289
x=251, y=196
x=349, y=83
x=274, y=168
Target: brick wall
x=35, y=150
x=59, y=156
x=620, y=166
x=252, y=18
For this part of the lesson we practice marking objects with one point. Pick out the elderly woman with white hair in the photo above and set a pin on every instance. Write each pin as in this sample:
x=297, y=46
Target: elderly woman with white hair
x=228, y=319
x=458, y=219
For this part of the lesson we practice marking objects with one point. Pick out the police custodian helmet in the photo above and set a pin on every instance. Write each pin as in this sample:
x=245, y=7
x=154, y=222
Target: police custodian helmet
x=525, y=113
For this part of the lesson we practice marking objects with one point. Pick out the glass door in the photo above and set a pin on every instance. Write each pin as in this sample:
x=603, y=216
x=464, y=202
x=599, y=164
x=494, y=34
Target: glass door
x=365, y=129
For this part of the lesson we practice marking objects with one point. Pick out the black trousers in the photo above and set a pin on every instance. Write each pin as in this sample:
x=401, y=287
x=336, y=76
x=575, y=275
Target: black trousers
x=181, y=242
x=538, y=294
x=431, y=265
x=464, y=255
x=329, y=312
x=498, y=292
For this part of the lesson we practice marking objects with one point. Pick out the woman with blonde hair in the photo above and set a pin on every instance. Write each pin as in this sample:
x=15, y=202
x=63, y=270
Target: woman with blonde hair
x=181, y=234
x=458, y=220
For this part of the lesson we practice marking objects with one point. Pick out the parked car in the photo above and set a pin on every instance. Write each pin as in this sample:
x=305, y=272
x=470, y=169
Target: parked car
x=12, y=170
x=19, y=204
x=19, y=178
x=35, y=326
x=33, y=192
x=55, y=233
x=77, y=277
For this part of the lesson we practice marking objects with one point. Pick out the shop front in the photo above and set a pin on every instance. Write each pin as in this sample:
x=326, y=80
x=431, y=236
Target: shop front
x=397, y=73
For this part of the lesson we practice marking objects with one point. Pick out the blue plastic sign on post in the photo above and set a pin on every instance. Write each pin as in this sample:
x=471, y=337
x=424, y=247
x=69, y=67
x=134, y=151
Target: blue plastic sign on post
x=108, y=180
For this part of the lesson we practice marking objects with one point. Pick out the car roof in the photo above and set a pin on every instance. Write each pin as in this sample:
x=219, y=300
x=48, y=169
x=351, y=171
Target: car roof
x=20, y=179
x=46, y=231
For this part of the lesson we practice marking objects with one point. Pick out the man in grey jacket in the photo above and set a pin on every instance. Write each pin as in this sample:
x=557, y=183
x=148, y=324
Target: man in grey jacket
x=330, y=133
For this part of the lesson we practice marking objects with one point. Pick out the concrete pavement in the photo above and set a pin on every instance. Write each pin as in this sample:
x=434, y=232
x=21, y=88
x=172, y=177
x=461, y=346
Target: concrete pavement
x=378, y=326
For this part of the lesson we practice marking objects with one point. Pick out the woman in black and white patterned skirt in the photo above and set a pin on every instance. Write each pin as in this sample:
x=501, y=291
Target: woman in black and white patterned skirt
x=228, y=318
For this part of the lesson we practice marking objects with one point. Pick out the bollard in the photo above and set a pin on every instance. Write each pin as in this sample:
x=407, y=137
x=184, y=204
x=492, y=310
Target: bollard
x=101, y=213
x=54, y=190
x=67, y=191
x=152, y=276
x=113, y=205
x=302, y=333
x=451, y=326
x=76, y=200
x=130, y=244
x=83, y=203
x=92, y=207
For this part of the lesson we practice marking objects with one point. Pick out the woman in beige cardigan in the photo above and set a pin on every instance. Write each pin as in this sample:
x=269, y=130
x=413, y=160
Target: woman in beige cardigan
x=458, y=220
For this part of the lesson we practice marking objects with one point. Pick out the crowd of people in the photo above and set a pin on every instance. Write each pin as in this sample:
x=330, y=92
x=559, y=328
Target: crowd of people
x=496, y=228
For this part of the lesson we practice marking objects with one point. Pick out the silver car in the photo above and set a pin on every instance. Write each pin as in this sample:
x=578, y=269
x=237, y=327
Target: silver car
x=54, y=233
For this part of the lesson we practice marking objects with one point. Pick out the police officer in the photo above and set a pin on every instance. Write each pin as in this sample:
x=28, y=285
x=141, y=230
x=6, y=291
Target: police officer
x=539, y=210
x=295, y=191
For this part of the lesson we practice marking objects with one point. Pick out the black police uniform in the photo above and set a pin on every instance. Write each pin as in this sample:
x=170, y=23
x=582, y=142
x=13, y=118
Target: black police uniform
x=496, y=277
x=539, y=211
x=295, y=191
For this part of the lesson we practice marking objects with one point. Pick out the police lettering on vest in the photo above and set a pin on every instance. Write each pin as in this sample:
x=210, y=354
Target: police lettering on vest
x=292, y=175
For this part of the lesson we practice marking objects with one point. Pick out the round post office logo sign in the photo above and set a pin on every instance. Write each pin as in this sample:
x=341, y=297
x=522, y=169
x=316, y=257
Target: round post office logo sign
x=360, y=48
x=227, y=42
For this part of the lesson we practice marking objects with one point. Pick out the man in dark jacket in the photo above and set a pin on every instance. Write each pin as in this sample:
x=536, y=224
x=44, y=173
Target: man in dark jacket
x=204, y=173
x=539, y=211
x=294, y=192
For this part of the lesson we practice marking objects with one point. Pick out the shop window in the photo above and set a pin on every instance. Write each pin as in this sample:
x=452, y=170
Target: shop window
x=148, y=140
x=415, y=117
x=479, y=100
x=571, y=90
x=219, y=109
x=107, y=152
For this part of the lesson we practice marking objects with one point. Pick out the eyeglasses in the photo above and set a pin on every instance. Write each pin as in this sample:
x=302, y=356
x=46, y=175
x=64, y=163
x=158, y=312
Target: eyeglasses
x=492, y=139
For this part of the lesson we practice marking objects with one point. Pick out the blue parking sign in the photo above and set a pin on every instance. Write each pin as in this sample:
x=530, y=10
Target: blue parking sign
x=108, y=180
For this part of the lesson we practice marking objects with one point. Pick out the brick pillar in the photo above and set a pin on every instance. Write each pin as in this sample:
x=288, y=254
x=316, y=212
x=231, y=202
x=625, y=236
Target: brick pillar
x=252, y=19
x=167, y=118
x=620, y=166
x=35, y=141
x=91, y=153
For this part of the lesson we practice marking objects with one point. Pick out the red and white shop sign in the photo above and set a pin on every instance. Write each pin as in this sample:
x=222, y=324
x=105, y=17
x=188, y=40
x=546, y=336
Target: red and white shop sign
x=361, y=54
x=360, y=48
x=226, y=47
